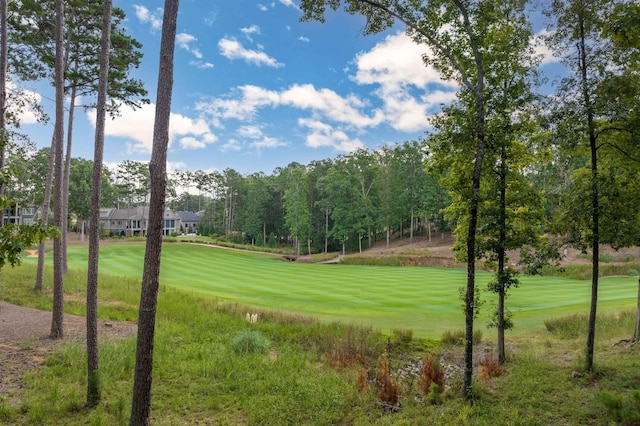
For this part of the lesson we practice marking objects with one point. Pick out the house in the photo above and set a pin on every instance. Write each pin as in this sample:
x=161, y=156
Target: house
x=134, y=221
x=189, y=221
x=21, y=215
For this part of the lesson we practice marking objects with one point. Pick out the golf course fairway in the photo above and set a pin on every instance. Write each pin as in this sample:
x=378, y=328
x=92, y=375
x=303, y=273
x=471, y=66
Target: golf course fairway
x=424, y=300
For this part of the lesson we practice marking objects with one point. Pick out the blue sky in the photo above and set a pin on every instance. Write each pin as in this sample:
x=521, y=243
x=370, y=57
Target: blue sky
x=255, y=88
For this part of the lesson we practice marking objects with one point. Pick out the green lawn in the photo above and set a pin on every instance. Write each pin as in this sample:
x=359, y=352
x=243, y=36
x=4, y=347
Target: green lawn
x=422, y=299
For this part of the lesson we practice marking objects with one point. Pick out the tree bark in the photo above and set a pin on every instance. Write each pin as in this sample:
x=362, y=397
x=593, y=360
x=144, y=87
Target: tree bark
x=65, y=182
x=595, y=202
x=93, y=371
x=141, y=403
x=57, y=328
x=44, y=214
x=636, y=332
x=4, y=52
x=502, y=356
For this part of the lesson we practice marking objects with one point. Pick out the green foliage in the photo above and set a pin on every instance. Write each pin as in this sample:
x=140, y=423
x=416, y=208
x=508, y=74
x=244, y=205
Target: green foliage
x=546, y=253
x=15, y=239
x=575, y=326
x=457, y=338
x=250, y=342
x=622, y=408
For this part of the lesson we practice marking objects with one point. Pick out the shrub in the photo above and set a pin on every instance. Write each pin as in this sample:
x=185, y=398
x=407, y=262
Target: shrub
x=402, y=337
x=352, y=348
x=490, y=368
x=250, y=341
x=388, y=388
x=456, y=337
x=431, y=376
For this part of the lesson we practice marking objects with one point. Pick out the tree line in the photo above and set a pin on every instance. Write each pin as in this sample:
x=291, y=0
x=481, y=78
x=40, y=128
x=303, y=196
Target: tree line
x=504, y=163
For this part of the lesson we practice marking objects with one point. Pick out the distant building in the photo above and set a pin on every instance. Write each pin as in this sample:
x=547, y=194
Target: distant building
x=189, y=221
x=21, y=215
x=134, y=221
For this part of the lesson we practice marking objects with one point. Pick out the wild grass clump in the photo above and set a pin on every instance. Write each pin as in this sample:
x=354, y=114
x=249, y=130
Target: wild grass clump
x=401, y=338
x=357, y=346
x=323, y=257
x=388, y=387
x=456, y=337
x=623, y=409
x=431, y=379
x=489, y=368
x=583, y=271
x=250, y=342
x=374, y=261
x=575, y=326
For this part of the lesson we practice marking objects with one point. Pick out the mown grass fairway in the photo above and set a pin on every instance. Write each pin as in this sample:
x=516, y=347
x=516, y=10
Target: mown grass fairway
x=422, y=299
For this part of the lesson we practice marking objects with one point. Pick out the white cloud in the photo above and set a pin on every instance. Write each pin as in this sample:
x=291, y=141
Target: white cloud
x=262, y=7
x=200, y=64
x=323, y=135
x=18, y=101
x=304, y=39
x=231, y=145
x=145, y=16
x=232, y=49
x=267, y=142
x=251, y=132
x=184, y=41
x=396, y=66
x=329, y=104
x=541, y=49
x=137, y=127
x=249, y=31
x=243, y=104
x=288, y=3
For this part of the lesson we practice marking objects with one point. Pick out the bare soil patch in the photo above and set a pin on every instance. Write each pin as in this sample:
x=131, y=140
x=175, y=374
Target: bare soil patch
x=25, y=342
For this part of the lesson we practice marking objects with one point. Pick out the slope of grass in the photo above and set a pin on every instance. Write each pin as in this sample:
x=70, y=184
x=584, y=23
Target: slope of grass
x=199, y=377
x=422, y=299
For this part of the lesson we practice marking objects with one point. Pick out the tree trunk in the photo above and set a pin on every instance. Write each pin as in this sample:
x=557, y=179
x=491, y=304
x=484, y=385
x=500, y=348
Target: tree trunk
x=502, y=237
x=57, y=328
x=65, y=183
x=595, y=204
x=44, y=214
x=636, y=332
x=93, y=372
x=411, y=229
x=4, y=52
x=326, y=231
x=141, y=401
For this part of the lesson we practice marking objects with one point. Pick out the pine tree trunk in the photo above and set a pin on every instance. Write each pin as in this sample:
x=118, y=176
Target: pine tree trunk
x=93, y=372
x=57, y=327
x=4, y=52
x=65, y=183
x=44, y=215
x=636, y=332
x=141, y=400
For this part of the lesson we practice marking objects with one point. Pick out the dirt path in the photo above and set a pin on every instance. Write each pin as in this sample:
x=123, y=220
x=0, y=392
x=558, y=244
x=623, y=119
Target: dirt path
x=25, y=343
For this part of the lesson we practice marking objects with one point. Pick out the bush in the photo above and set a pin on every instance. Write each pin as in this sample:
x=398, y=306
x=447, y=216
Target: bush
x=402, y=337
x=250, y=341
x=388, y=388
x=490, y=368
x=456, y=337
x=431, y=377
